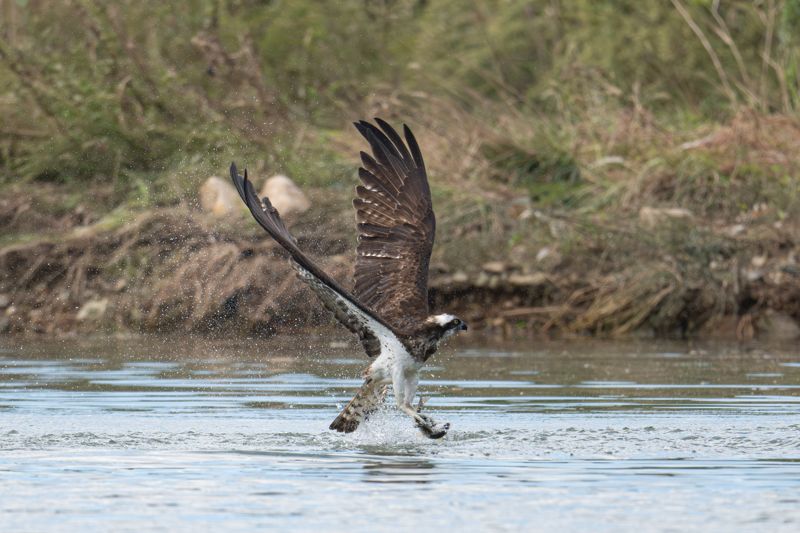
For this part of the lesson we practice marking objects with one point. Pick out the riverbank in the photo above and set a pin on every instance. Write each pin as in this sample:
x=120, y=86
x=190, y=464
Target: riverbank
x=582, y=186
x=719, y=263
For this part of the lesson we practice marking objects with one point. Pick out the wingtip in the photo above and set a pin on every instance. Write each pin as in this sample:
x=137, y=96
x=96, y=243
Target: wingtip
x=235, y=171
x=366, y=125
x=246, y=182
x=384, y=124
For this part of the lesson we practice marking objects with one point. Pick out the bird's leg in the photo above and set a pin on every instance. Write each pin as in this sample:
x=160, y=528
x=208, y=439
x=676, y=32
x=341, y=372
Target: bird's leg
x=422, y=401
x=405, y=390
x=428, y=420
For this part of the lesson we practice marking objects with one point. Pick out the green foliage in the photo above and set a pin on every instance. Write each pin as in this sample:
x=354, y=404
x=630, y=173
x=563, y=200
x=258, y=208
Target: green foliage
x=549, y=176
x=151, y=96
x=320, y=56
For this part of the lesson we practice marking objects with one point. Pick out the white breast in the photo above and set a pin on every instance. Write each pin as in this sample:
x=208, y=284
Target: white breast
x=394, y=359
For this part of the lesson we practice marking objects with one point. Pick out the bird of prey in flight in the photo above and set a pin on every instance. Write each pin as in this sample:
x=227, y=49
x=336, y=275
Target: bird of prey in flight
x=388, y=307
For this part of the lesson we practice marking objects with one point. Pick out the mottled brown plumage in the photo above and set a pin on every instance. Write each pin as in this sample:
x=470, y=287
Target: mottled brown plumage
x=396, y=227
x=367, y=399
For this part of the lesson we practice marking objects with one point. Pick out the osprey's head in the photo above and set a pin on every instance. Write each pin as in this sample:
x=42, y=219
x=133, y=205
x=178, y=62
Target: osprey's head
x=438, y=328
x=448, y=325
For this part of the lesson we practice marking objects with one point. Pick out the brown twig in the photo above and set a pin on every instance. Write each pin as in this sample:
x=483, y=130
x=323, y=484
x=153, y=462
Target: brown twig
x=712, y=54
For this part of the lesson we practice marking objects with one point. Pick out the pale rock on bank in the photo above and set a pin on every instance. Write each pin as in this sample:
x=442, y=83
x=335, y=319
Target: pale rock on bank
x=285, y=196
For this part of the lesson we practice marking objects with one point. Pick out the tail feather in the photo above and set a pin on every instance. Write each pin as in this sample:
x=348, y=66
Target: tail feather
x=368, y=398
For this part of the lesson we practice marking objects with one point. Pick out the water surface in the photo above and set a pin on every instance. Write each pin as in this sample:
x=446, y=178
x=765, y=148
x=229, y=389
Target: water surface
x=173, y=434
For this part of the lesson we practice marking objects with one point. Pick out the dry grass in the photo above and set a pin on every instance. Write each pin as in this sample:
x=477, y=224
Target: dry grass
x=570, y=222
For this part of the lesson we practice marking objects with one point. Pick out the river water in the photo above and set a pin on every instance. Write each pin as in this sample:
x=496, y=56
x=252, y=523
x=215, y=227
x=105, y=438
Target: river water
x=170, y=434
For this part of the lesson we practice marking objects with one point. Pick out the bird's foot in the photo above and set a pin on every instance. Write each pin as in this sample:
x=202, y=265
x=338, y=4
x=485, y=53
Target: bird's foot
x=427, y=425
x=434, y=430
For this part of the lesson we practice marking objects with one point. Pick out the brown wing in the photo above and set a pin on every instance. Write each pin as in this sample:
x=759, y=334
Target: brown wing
x=347, y=309
x=396, y=226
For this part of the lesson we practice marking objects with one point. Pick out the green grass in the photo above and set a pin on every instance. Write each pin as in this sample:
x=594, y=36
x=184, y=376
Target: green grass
x=577, y=110
x=126, y=102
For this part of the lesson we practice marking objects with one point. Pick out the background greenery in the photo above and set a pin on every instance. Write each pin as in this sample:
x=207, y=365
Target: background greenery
x=547, y=126
x=129, y=92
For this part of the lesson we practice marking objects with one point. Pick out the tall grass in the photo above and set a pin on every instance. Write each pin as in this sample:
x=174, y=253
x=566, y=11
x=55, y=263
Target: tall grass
x=139, y=94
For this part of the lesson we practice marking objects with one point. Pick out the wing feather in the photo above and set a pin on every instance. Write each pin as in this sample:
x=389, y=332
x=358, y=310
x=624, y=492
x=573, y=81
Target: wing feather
x=396, y=226
x=353, y=314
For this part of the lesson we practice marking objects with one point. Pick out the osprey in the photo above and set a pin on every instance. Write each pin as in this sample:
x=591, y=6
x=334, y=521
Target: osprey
x=388, y=308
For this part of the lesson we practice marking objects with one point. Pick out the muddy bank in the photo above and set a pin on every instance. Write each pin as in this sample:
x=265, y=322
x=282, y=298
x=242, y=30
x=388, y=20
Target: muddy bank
x=178, y=269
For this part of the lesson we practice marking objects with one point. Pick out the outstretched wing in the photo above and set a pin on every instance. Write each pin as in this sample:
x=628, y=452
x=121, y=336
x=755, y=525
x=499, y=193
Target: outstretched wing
x=347, y=309
x=396, y=226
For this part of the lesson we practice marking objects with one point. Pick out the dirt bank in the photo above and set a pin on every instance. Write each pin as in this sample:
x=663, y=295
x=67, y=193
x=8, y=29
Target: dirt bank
x=178, y=269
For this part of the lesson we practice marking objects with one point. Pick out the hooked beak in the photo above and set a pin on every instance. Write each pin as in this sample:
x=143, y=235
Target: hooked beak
x=463, y=327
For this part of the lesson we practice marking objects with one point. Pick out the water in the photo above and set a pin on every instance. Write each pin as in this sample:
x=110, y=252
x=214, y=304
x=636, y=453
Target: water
x=173, y=434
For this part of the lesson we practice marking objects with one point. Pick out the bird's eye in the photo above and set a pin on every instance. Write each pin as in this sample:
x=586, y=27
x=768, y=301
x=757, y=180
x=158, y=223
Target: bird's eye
x=456, y=322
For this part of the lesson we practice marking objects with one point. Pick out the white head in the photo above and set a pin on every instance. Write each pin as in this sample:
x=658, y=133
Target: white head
x=447, y=325
x=443, y=319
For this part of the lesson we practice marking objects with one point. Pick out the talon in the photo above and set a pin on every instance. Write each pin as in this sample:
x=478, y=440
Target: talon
x=434, y=431
x=437, y=433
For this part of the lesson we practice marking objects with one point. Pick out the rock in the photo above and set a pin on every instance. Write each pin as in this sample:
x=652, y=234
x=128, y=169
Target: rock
x=285, y=196
x=752, y=274
x=494, y=267
x=520, y=209
x=548, y=258
x=460, y=277
x=778, y=327
x=775, y=278
x=93, y=310
x=527, y=280
x=736, y=229
x=5, y=301
x=653, y=216
x=543, y=253
x=219, y=197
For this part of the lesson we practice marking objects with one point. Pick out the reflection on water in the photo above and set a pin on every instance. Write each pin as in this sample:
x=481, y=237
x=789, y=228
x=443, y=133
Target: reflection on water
x=167, y=433
x=407, y=470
